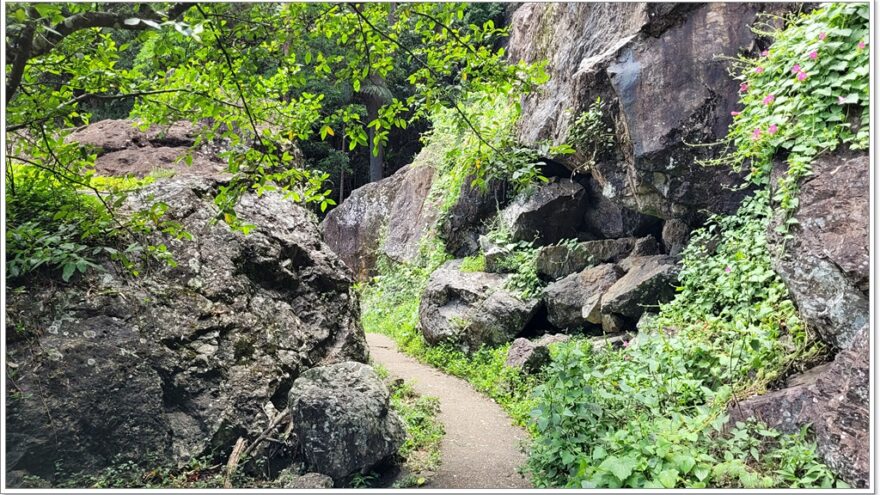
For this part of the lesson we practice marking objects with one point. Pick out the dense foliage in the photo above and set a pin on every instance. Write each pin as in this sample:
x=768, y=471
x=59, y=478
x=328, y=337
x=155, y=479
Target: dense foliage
x=806, y=95
x=258, y=79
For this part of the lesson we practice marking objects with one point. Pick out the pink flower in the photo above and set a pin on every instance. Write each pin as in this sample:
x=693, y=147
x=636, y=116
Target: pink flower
x=759, y=70
x=765, y=53
x=841, y=100
x=743, y=87
x=756, y=134
x=801, y=75
x=727, y=269
x=822, y=36
x=769, y=99
x=814, y=55
x=734, y=113
x=626, y=344
x=795, y=68
x=861, y=45
x=772, y=129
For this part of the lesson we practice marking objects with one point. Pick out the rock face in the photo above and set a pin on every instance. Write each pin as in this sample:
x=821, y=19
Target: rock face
x=574, y=301
x=342, y=419
x=649, y=280
x=387, y=217
x=656, y=67
x=460, y=228
x=549, y=214
x=123, y=149
x=558, y=261
x=411, y=214
x=181, y=360
x=530, y=355
x=835, y=401
x=608, y=220
x=826, y=265
x=470, y=309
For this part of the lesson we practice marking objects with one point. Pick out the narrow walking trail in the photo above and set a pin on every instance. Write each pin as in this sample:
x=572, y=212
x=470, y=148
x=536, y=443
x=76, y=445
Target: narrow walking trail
x=481, y=446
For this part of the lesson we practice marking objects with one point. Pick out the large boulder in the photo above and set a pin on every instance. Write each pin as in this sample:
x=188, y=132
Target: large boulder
x=549, y=213
x=124, y=150
x=354, y=229
x=649, y=280
x=660, y=71
x=560, y=260
x=835, y=400
x=574, y=301
x=609, y=220
x=461, y=225
x=411, y=214
x=826, y=264
x=530, y=355
x=183, y=359
x=472, y=309
x=342, y=419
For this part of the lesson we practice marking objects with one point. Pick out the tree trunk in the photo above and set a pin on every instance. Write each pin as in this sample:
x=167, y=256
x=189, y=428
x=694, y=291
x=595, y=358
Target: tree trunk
x=377, y=156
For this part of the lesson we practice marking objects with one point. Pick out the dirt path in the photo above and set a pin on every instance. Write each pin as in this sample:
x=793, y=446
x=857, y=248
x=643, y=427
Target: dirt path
x=481, y=446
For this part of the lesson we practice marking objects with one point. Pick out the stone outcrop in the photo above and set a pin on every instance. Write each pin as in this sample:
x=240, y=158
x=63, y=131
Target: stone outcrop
x=530, y=355
x=826, y=264
x=124, y=150
x=549, y=214
x=558, y=261
x=835, y=401
x=181, y=360
x=471, y=309
x=461, y=226
x=574, y=301
x=342, y=419
x=658, y=70
x=387, y=217
x=649, y=280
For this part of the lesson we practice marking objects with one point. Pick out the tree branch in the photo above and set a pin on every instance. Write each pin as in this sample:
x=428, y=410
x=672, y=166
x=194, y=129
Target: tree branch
x=30, y=46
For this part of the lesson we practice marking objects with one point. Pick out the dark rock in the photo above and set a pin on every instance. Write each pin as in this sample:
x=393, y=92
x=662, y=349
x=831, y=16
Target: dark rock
x=558, y=261
x=169, y=363
x=342, y=419
x=611, y=341
x=354, y=229
x=675, y=235
x=531, y=355
x=548, y=214
x=471, y=309
x=610, y=220
x=835, y=401
x=574, y=301
x=826, y=265
x=664, y=83
x=461, y=226
x=645, y=246
x=613, y=324
x=649, y=280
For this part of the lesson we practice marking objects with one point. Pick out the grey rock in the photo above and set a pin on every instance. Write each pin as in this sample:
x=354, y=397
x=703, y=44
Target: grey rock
x=611, y=341
x=169, y=363
x=658, y=71
x=835, y=401
x=461, y=226
x=411, y=213
x=650, y=280
x=826, y=265
x=645, y=246
x=287, y=479
x=342, y=419
x=614, y=324
x=675, y=235
x=472, y=309
x=530, y=355
x=610, y=220
x=574, y=301
x=353, y=230
x=558, y=261
x=548, y=214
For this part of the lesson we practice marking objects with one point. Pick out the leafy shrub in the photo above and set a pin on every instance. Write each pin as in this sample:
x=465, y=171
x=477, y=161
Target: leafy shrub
x=474, y=263
x=590, y=133
x=650, y=414
x=808, y=94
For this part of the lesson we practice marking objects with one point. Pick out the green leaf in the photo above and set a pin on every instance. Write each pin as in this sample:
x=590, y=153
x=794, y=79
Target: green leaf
x=620, y=467
x=67, y=271
x=668, y=478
